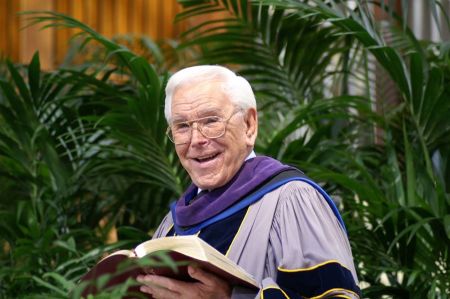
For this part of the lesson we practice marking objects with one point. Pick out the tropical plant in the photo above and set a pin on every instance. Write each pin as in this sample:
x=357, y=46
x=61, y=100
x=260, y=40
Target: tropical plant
x=83, y=151
x=394, y=185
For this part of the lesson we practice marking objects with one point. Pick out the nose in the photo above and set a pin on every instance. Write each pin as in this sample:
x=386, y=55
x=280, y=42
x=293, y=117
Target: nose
x=197, y=137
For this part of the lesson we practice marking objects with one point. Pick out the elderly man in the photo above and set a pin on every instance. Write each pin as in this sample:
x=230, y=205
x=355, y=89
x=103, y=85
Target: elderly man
x=267, y=217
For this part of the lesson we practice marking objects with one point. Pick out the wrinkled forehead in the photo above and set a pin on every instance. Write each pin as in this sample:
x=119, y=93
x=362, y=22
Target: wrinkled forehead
x=197, y=114
x=187, y=112
x=201, y=99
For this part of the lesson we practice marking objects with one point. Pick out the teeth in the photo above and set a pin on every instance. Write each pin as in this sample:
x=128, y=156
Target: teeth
x=206, y=158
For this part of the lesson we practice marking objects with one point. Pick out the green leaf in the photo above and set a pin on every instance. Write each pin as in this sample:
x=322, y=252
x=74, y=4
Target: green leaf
x=34, y=77
x=61, y=280
x=410, y=171
x=447, y=225
x=21, y=85
x=50, y=286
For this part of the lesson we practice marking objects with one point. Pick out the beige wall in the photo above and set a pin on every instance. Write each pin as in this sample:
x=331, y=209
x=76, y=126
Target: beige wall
x=109, y=17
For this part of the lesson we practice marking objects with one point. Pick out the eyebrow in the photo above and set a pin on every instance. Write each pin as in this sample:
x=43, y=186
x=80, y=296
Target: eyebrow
x=178, y=119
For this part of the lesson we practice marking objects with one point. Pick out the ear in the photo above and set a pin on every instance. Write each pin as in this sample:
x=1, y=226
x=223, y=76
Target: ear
x=251, y=126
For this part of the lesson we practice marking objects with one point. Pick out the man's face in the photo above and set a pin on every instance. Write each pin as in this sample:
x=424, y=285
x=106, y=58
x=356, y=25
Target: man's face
x=211, y=163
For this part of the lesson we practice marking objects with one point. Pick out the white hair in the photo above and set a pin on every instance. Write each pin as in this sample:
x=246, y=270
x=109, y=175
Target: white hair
x=236, y=88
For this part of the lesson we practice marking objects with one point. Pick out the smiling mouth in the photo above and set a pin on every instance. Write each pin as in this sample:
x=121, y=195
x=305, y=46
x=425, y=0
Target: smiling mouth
x=206, y=159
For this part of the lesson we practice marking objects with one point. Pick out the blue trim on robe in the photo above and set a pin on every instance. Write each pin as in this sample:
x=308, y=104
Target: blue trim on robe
x=221, y=234
x=315, y=282
x=247, y=201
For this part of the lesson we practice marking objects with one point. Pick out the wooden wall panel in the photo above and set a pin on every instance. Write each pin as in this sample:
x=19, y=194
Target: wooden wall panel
x=134, y=21
x=120, y=16
x=105, y=15
x=167, y=11
x=62, y=36
x=3, y=32
x=153, y=18
x=34, y=39
x=9, y=40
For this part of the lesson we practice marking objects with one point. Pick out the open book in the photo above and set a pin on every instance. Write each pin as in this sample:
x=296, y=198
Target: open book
x=182, y=250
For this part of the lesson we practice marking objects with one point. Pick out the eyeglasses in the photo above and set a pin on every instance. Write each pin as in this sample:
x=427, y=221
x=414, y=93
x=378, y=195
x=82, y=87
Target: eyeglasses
x=210, y=127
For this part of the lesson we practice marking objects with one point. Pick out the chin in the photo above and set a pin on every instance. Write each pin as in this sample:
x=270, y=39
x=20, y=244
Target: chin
x=207, y=184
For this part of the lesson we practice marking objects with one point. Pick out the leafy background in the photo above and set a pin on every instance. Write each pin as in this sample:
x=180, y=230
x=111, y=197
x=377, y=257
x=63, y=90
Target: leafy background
x=85, y=167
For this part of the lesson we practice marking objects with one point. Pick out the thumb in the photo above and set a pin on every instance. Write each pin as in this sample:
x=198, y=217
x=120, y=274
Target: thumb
x=202, y=276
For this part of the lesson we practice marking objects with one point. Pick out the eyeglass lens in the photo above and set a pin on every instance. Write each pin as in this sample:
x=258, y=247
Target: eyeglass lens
x=210, y=127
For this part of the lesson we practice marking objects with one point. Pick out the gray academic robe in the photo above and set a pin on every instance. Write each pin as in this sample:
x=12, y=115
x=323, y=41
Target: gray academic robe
x=290, y=229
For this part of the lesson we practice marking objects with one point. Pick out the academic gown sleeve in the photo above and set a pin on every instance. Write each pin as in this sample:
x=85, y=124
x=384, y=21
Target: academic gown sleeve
x=309, y=254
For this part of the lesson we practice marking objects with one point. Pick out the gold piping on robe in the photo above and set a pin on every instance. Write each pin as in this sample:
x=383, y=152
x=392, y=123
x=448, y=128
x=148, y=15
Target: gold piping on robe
x=237, y=233
x=273, y=287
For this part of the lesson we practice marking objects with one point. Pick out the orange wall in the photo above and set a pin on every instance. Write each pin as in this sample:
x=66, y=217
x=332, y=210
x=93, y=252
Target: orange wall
x=109, y=17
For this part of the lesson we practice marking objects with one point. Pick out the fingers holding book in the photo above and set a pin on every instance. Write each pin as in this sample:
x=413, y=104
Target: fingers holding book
x=207, y=285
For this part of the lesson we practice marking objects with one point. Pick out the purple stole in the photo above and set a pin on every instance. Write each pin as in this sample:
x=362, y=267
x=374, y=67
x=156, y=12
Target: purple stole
x=253, y=173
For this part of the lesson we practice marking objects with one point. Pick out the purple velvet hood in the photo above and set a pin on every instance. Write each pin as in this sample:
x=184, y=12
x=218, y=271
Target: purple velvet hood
x=252, y=174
